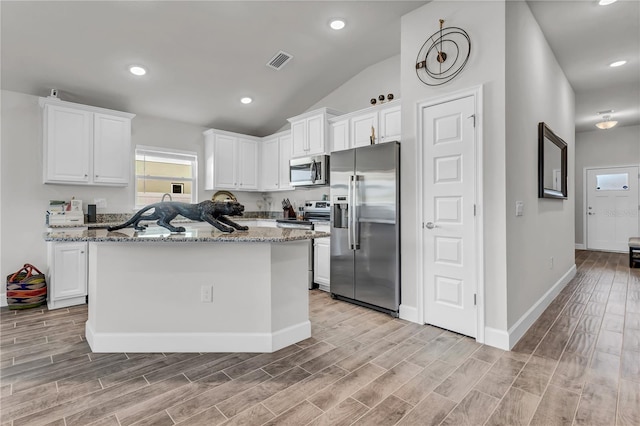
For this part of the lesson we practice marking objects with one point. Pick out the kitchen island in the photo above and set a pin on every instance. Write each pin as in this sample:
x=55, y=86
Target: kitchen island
x=197, y=291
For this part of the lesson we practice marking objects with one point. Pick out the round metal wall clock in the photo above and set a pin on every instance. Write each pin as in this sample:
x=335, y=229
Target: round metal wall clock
x=443, y=55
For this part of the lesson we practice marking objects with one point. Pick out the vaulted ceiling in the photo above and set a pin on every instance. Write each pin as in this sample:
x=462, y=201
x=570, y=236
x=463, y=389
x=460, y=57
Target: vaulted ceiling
x=203, y=56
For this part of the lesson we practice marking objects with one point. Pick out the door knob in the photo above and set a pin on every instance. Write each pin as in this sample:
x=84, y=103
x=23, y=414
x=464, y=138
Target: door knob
x=430, y=225
x=591, y=214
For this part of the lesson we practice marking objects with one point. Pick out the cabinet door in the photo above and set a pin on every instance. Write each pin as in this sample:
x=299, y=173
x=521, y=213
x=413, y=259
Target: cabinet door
x=224, y=162
x=298, y=139
x=285, y=156
x=67, y=146
x=69, y=271
x=390, y=124
x=270, y=161
x=247, y=164
x=322, y=261
x=111, y=149
x=315, y=134
x=340, y=135
x=361, y=129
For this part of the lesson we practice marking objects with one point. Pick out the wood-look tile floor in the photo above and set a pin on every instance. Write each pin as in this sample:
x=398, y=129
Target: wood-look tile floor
x=579, y=364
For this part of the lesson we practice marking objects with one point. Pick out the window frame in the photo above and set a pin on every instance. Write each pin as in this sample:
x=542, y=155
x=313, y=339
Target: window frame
x=169, y=153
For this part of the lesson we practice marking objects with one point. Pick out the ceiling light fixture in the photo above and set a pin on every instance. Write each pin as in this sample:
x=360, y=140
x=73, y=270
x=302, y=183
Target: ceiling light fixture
x=246, y=100
x=137, y=70
x=606, y=122
x=617, y=64
x=337, y=24
x=606, y=2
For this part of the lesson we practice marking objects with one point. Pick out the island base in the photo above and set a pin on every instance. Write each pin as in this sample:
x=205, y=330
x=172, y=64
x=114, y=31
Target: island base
x=197, y=297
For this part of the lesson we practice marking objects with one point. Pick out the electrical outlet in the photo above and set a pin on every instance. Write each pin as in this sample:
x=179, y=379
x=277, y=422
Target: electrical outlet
x=206, y=294
x=551, y=262
x=101, y=203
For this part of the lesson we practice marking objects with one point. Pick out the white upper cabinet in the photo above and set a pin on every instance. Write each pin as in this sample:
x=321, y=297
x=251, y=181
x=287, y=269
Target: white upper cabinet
x=382, y=123
x=390, y=124
x=231, y=161
x=270, y=178
x=85, y=145
x=247, y=164
x=363, y=129
x=285, y=156
x=276, y=153
x=309, y=132
x=340, y=135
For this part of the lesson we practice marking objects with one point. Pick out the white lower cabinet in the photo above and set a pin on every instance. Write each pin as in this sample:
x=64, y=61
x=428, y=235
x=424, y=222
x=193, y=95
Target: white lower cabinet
x=322, y=259
x=67, y=280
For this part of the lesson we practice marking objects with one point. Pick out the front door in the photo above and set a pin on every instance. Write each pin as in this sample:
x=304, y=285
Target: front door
x=612, y=208
x=449, y=226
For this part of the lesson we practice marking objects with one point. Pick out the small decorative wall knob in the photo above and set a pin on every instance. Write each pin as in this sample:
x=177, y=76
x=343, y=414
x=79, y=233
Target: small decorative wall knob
x=390, y=96
x=381, y=98
x=373, y=101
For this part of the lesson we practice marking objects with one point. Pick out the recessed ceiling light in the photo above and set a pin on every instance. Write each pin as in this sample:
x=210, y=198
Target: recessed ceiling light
x=617, y=63
x=246, y=100
x=137, y=70
x=337, y=24
x=606, y=2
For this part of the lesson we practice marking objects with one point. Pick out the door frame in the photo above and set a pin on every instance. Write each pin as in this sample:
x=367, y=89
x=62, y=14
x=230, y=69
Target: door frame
x=476, y=93
x=585, y=242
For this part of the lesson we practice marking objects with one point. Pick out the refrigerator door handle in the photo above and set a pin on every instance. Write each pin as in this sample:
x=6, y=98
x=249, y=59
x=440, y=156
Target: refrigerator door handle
x=349, y=214
x=356, y=222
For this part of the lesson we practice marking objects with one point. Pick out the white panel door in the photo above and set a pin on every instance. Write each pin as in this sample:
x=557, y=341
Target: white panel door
x=299, y=145
x=449, y=222
x=111, y=149
x=612, y=208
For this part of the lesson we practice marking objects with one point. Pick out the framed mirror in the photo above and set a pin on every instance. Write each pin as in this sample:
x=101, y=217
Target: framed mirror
x=552, y=164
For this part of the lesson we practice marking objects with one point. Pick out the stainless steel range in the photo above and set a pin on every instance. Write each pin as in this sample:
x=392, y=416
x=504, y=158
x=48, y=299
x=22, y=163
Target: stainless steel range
x=314, y=212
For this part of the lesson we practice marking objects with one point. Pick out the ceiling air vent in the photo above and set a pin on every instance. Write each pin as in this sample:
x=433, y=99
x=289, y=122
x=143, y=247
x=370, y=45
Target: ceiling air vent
x=279, y=60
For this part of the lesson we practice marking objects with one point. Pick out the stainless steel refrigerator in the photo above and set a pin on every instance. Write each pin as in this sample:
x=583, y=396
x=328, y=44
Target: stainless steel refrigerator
x=365, y=226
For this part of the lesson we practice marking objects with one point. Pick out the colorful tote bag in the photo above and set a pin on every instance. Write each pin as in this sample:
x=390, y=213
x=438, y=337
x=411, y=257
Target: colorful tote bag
x=27, y=288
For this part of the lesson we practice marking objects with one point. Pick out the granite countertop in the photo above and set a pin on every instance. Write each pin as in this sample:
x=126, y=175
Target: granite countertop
x=104, y=225
x=192, y=234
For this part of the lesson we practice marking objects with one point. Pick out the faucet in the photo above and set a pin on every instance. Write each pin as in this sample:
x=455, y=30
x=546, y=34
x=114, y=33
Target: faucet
x=166, y=194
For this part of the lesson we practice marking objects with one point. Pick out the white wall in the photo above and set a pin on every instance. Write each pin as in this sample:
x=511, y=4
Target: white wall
x=25, y=198
x=355, y=94
x=619, y=146
x=537, y=90
x=485, y=24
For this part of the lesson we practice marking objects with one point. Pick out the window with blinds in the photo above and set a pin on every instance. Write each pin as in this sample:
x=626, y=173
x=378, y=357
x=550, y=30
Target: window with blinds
x=161, y=171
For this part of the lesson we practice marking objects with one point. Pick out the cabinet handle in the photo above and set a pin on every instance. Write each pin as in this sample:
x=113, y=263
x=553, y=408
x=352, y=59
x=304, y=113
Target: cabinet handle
x=86, y=175
x=81, y=252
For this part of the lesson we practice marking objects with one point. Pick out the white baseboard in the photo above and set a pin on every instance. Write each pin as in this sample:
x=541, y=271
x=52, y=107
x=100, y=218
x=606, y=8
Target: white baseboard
x=496, y=338
x=196, y=342
x=580, y=246
x=409, y=313
x=522, y=325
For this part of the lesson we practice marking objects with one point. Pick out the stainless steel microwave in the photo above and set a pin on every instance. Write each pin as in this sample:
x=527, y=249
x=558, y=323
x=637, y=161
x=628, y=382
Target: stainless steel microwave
x=309, y=171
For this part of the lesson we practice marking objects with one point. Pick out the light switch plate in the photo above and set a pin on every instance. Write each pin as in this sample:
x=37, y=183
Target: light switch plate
x=519, y=208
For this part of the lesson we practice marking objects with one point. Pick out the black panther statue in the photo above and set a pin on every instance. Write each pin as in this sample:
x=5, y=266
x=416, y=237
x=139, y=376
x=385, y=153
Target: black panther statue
x=212, y=212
